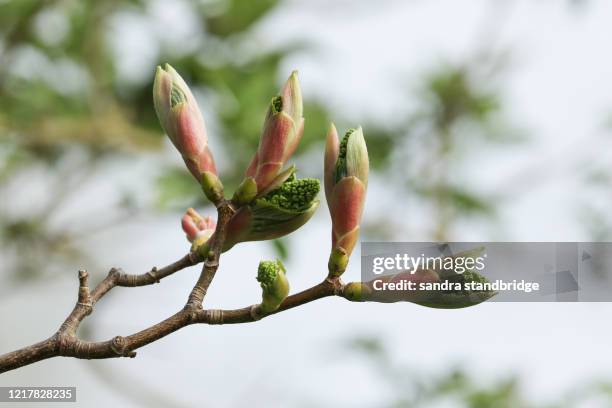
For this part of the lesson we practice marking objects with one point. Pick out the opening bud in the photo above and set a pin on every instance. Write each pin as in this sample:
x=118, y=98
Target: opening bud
x=274, y=285
x=246, y=192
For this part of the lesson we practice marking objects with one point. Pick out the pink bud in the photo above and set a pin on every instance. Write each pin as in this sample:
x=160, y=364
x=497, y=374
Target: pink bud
x=345, y=173
x=331, y=156
x=346, y=207
x=196, y=227
x=180, y=116
x=281, y=134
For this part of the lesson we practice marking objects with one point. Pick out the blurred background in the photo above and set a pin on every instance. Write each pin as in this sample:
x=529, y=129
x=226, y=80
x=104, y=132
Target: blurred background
x=485, y=120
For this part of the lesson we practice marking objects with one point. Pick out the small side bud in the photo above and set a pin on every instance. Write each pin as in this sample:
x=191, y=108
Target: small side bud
x=198, y=229
x=246, y=191
x=338, y=261
x=355, y=291
x=212, y=187
x=274, y=284
x=202, y=250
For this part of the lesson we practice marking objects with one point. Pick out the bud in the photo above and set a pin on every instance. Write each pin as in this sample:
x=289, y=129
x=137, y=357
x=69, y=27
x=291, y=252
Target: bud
x=338, y=261
x=452, y=298
x=278, y=213
x=274, y=284
x=180, y=116
x=355, y=291
x=212, y=187
x=246, y=191
x=197, y=228
x=346, y=178
x=282, y=131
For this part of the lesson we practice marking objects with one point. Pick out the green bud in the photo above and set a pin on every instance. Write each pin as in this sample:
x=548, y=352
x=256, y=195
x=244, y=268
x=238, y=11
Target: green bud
x=269, y=221
x=355, y=291
x=459, y=299
x=338, y=261
x=202, y=249
x=274, y=285
x=246, y=191
x=275, y=214
x=212, y=187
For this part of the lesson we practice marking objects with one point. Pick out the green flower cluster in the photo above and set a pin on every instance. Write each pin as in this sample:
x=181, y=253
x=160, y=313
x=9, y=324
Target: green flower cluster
x=267, y=272
x=274, y=285
x=341, y=162
x=294, y=194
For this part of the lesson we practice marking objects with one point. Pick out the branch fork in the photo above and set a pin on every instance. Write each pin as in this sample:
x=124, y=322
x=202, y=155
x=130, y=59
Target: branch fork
x=270, y=203
x=65, y=341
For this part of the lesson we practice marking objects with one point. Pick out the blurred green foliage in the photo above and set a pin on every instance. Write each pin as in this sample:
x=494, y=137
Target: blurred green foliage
x=454, y=96
x=60, y=80
x=64, y=86
x=459, y=111
x=64, y=89
x=456, y=387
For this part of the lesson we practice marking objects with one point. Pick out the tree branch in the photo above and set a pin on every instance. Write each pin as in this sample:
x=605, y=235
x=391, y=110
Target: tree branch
x=196, y=297
x=65, y=341
x=62, y=344
x=329, y=287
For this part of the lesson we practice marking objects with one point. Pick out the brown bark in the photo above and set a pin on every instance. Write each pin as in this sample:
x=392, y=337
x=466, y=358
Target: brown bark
x=65, y=341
